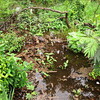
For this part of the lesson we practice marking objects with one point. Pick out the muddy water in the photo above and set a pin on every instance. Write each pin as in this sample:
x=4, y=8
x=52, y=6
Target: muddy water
x=59, y=85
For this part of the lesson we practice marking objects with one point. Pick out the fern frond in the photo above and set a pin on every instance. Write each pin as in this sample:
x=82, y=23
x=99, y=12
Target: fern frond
x=91, y=48
x=91, y=45
x=97, y=56
x=88, y=42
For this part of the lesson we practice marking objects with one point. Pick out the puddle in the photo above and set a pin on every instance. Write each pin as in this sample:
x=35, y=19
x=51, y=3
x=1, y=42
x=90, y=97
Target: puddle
x=60, y=84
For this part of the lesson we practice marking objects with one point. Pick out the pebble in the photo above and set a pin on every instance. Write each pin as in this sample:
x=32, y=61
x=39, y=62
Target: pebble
x=97, y=83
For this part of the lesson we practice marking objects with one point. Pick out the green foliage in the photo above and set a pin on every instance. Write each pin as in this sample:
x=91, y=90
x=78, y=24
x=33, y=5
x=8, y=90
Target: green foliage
x=74, y=41
x=12, y=72
x=77, y=92
x=91, y=42
x=6, y=9
x=39, y=21
x=92, y=14
x=96, y=71
x=11, y=42
x=49, y=58
x=65, y=65
x=48, y=61
x=31, y=95
x=97, y=56
x=48, y=2
x=45, y=74
x=3, y=95
x=88, y=43
x=75, y=8
x=86, y=40
x=82, y=11
x=30, y=87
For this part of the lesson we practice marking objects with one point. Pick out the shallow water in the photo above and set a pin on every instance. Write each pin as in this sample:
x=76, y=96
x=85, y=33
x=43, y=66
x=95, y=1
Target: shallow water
x=60, y=84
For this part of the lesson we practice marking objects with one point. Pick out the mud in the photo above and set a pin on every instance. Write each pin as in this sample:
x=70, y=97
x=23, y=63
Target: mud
x=62, y=81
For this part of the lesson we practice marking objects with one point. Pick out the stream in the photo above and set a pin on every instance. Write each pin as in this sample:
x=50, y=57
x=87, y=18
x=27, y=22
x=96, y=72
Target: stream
x=63, y=83
x=59, y=85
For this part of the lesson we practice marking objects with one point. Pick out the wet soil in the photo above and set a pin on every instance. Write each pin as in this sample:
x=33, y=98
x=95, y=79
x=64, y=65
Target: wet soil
x=62, y=81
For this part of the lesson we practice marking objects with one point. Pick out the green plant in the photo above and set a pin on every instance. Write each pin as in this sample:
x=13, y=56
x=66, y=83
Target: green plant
x=30, y=87
x=3, y=95
x=11, y=42
x=49, y=59
x=40, y=21
x=48, y=2
x=5, y=9
x=65, y=64
x=77, y=92
x=31, y=95
x=95, y=72
x=76, y=9
x=88, y=43
x=45, y=74
x=12, y=73
x=73, y=41
x=9, y=7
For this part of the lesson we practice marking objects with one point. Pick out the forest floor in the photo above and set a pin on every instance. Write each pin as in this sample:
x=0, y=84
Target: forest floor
x=62, y=81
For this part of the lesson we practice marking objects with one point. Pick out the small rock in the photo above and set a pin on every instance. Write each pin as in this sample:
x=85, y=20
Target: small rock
x=41, y=39
x=58, y=51
x=97, y=83
x=64, y=76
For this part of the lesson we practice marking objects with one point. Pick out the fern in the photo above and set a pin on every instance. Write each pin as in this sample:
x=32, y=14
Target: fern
x=91, y=42
x=91, y=46
x=97, y=56
x=88, y=42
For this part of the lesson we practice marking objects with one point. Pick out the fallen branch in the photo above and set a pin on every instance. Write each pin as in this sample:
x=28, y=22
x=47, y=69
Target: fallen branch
x=9, y=21
x=42, y=8
x=65, y=12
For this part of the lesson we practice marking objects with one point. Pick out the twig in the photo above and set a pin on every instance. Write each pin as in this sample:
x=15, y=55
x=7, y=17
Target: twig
x=51, y=71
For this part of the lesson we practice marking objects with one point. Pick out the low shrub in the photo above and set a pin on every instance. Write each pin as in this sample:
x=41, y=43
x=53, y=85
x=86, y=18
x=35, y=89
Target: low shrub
x=11, y=42
x=88, y=43
x=12, y=74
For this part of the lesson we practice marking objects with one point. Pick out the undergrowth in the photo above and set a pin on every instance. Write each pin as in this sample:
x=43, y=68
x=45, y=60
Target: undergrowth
x=84, y=18
x=12, y=75
x=13, y=71
x=10, y=42
x=88, y=43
